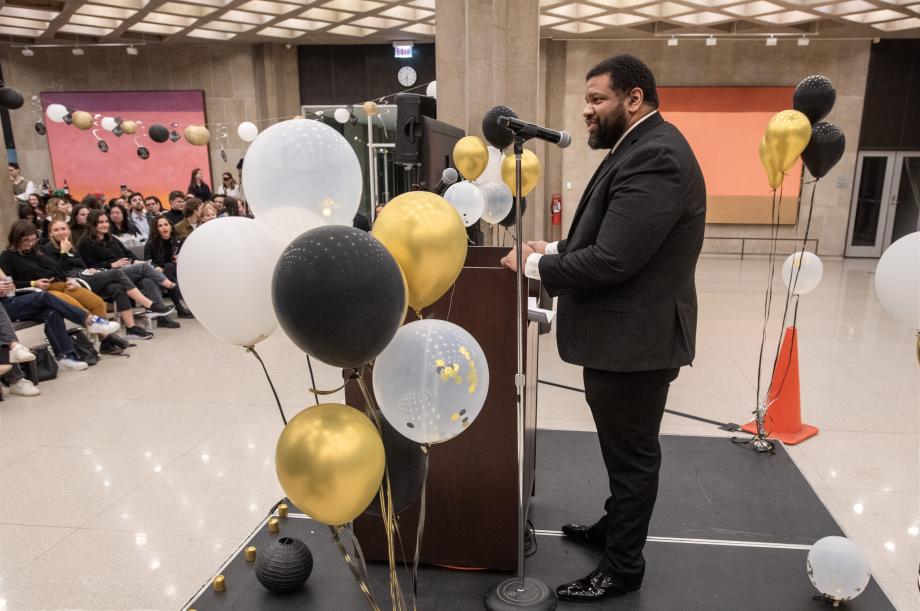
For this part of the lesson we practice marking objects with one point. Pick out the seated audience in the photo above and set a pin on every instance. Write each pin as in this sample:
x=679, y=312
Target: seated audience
x=163, y=247
x=138, y=216
x=78, y=222
x=100, y=250
x=42, y=306
x=154, y=207
x=175, y=214
x=112, y=284
x=12, y=352
x=236, y=207
x=228, y=186
x=92, y=202
x=208, y=213
x=121, y=226
x=192, y=213
x=221, y=207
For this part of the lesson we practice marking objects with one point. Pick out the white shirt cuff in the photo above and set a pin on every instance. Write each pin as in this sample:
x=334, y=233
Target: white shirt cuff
x=552, y=248
x=532, y=266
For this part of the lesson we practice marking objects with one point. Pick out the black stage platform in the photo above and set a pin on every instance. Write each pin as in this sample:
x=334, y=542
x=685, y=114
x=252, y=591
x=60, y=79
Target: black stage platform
x=731, y=532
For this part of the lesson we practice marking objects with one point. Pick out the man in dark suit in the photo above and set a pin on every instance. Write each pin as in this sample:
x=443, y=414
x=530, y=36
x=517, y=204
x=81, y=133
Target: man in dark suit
x=627, y=303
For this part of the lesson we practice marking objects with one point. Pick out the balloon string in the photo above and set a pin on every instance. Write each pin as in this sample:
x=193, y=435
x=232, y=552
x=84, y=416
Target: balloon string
x=355, y=570
x=768, y=303
x=312, y=380
x=421, y=529
x=252, y=349
x=387, y=511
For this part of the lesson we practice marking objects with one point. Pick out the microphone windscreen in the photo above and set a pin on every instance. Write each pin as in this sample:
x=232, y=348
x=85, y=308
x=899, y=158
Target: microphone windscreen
x=565, y=139
x=450, y=176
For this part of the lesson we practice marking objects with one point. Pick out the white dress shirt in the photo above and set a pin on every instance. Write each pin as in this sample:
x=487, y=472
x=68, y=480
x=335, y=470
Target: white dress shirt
x=532, y=265
x=141, y=222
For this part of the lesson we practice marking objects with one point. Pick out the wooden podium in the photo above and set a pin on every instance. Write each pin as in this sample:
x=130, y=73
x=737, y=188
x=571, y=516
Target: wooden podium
x=472, y=497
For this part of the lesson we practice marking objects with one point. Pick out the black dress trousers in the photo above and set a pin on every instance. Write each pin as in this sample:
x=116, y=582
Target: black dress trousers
x=627, y=409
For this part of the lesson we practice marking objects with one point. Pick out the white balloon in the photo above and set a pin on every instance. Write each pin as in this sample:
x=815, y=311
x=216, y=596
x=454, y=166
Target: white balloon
x=342, y=115
x=225, y=270
x=431, y=381
x=838, y=568
x=803, y=270
x=432, y=90
x=897, y=280
x=56, y=112
x=108, y=123
x=493, y=171
x=247, y=131
x=498, y=201
x=467, y=199
x=300, y=175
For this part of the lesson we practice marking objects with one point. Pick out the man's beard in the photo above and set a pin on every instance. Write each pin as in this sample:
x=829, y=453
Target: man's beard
x=609, y=131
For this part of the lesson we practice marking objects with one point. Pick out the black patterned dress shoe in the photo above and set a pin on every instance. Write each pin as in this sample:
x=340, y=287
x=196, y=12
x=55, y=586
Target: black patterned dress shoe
x=586, y=535
x=594, y=588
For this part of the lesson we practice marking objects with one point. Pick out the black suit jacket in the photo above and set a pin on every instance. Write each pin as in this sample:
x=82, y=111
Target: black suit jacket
x=625, y=274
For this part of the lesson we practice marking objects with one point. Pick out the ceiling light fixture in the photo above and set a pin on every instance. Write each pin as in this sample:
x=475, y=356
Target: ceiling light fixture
x=27, y=52
x=132, y=50
x=672, y=42
x=803, y=41
x=711, y=41
x=771, y=42
x=77, y=51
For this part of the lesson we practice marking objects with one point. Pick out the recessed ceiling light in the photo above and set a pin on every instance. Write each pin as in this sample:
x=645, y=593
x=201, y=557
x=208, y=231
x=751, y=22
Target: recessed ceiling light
x=28, y=52
x=77, y=51
x=132, y=50
x=672, y=42
x=711, y=41
x=803, y=42
x=771, y=42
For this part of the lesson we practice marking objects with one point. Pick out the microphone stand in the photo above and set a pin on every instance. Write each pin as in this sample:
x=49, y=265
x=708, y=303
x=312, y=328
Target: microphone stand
x=520, y=592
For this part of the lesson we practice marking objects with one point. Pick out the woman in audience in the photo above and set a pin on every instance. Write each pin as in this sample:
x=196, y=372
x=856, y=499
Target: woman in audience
x=12, y=353
x=228, y=187
x=92, y=202
x=78, y=222
x=208, y=213
x=100, y=250
x=44, y=307
x=25, y=212
x=198, y=187
x=111, y=284
x=163, y=247
x=121, y=226
x=191, y=215
x=236, y=207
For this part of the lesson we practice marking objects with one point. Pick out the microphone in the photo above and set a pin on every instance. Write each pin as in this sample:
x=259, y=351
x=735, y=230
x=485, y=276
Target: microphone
x=563, y=139
x=448, y=177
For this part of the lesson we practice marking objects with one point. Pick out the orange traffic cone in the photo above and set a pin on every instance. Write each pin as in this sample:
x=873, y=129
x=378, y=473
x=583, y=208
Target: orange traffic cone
x=783, y=419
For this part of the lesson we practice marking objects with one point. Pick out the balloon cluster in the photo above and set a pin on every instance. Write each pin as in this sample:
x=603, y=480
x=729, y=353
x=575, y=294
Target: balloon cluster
x=800, y=132
x=489, y=189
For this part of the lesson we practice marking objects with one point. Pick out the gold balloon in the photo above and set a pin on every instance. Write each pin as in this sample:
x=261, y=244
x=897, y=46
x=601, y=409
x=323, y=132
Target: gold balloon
x=787, y=135
x=197, y=135
x=370, y=109
x=426, y=236
x=82, y=119
x=770, y=165
x=330, y=462
x=530, y=172
x=471, y=157
x=129, y=127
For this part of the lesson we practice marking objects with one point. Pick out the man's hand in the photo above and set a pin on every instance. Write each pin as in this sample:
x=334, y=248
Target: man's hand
x=510, y=260
x=72, y=284
x=538, y=246
x=43, y=284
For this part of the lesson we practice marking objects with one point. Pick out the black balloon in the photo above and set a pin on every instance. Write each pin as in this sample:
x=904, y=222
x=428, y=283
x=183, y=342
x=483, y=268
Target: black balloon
x=158, y=133
x=497, y=135
x=284, y=565
x=824, y=149
x=10, y=98
x=339, y=295
x=814, y=97
x=508, y=221
x=406, y=466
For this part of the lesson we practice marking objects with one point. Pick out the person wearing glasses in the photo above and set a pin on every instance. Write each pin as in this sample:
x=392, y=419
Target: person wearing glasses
x=228, y=186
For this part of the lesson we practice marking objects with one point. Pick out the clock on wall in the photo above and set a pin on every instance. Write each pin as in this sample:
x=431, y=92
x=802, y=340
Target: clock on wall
x=406, y=76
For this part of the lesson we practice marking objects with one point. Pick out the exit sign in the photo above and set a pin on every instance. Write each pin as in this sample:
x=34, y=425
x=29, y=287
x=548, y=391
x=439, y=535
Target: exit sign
x=402, y=51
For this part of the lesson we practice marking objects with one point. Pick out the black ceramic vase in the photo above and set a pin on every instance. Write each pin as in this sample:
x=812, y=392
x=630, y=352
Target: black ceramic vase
x=284, y=565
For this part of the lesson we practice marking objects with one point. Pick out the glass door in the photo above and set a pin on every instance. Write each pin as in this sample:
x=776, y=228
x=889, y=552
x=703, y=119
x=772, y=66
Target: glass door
x=904, y=209
x=869, y=207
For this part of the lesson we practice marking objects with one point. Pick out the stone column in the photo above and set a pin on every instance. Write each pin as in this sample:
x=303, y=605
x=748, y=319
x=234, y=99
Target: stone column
x=488, y=53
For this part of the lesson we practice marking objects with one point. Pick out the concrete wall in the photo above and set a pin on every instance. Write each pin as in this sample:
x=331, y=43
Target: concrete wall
x=240, y=82
x=738, y=63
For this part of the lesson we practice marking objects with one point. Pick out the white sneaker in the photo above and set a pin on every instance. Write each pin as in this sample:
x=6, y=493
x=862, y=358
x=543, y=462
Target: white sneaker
x=21, y=354
x=72, y=364
x=101, y=326
x=25, y=388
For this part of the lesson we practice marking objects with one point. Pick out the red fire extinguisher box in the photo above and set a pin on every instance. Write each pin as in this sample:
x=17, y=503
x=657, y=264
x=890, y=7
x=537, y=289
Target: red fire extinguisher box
x=556, y=215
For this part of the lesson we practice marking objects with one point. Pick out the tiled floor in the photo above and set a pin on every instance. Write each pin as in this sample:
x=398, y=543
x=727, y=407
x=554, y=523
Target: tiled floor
x=125, y=486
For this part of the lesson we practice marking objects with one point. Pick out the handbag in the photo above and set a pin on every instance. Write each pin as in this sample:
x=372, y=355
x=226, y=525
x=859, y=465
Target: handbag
x=86, y=352
x=44, y=367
